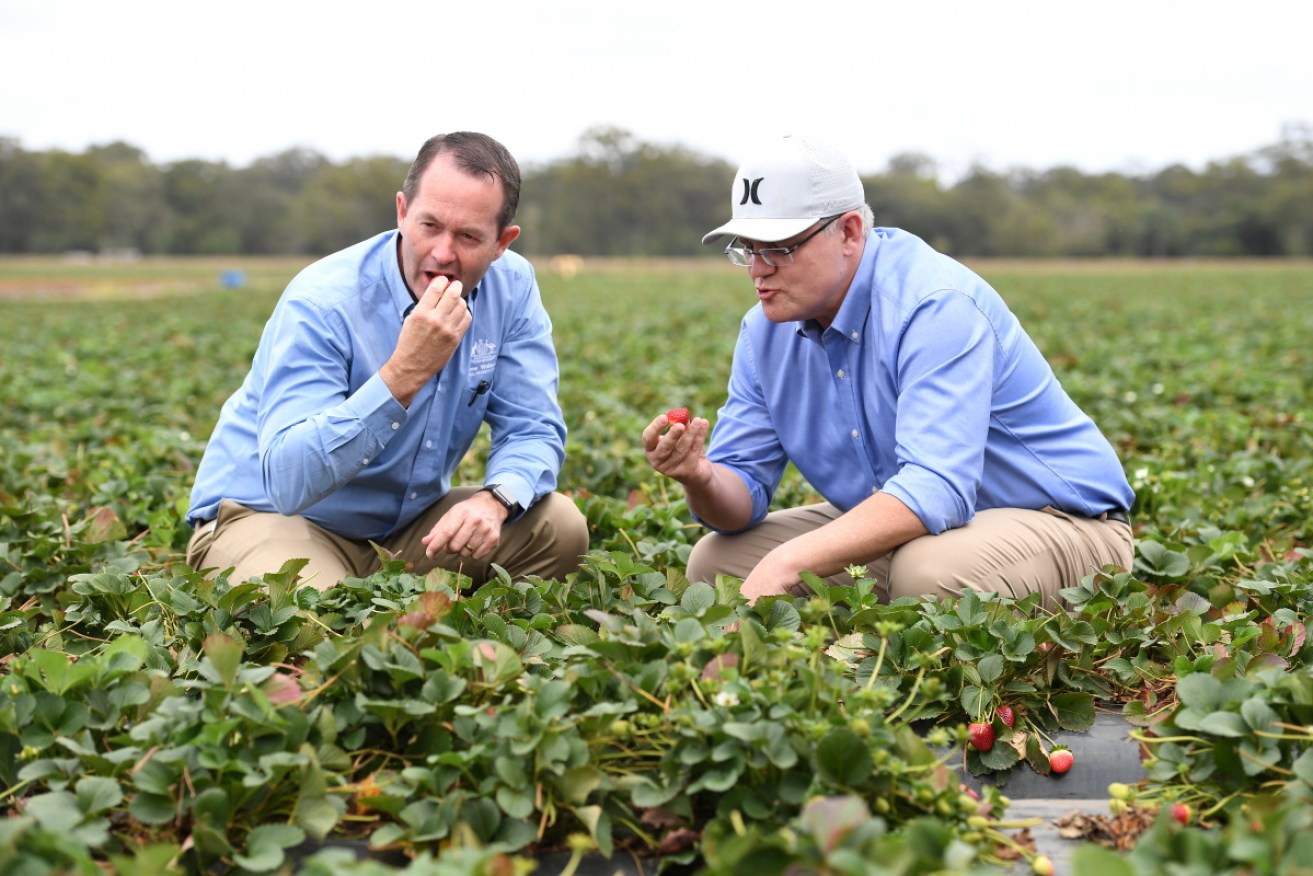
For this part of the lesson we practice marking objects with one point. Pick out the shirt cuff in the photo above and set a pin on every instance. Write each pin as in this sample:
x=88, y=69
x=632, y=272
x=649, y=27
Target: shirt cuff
x=374, y=405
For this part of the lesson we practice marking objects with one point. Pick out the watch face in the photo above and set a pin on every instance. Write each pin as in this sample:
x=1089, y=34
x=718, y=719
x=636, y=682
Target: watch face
x=502, y=495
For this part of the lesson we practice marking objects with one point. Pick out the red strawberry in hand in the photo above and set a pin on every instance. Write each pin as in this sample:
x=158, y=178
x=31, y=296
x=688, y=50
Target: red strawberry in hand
x=1061, y=759
x=981, y=736
x=1007, y=716
x=678, y=415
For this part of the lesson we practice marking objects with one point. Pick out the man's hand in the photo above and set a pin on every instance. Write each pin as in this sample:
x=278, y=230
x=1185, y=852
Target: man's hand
x=864, y=533
x=429, y=337
x=776, y=574
x=471, y=529
x=680, y=452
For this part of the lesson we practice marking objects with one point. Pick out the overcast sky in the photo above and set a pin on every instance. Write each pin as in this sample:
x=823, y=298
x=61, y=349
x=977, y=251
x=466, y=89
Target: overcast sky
x=1123, y=85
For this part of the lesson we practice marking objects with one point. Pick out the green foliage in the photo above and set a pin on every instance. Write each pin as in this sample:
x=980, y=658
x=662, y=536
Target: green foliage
x=152, y=720
x=619, y=196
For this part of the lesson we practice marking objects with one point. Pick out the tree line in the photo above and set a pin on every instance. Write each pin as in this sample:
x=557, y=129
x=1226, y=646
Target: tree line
x=620, y=196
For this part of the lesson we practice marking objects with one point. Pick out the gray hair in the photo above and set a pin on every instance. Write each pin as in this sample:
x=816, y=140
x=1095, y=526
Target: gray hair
x=868, y=220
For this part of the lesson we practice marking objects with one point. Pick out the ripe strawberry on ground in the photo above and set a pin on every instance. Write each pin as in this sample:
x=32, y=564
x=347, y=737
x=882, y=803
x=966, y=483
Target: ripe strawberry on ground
x=1061, y=759
x=678, y=415
x=981, y=736
x=1007, y=716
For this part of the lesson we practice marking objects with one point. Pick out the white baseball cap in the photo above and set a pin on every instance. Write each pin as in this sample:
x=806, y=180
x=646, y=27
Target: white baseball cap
x=786, y=188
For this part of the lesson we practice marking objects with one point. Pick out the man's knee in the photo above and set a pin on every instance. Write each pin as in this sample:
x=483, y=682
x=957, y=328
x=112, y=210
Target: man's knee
x=568, y=526
x=558, y=537
x=918, y=569
x=946, y=566
x=703, y=561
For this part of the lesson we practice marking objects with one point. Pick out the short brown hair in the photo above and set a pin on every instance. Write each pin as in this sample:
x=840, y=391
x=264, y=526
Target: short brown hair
x=475, y=154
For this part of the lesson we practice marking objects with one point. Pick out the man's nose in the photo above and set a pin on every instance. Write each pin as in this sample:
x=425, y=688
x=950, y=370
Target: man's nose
x=759, y=268
x=444, y=248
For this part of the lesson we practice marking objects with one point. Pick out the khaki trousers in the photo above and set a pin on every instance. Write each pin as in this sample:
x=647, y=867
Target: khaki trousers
x=547, y=541
x=1010, y=551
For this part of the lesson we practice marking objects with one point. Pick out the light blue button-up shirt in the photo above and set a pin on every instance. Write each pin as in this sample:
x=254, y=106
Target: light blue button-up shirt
x=925, y=387
x=314, y=431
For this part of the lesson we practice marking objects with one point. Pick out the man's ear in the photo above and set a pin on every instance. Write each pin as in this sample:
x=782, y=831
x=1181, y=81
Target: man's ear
x=401, y=208
x=851, y=224
x=507, y=236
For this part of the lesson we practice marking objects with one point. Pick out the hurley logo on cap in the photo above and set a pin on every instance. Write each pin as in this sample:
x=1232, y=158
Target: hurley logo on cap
x=750, y=190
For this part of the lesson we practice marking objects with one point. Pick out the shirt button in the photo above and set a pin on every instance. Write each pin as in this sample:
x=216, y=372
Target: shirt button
x=840, y=373
x=854, y=433
x=364, y=462
x=414, y=495
x=396, y=426
x=855, y=336
x=428, y=445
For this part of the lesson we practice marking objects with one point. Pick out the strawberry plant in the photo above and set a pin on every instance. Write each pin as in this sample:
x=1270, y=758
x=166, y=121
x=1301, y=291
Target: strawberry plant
x=155, y=720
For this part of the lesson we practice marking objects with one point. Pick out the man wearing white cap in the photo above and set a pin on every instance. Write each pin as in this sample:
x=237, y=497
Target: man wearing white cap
x=906, y=393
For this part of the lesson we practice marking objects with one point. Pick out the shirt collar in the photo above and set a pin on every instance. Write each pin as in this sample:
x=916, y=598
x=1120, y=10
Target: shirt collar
x=851, y=318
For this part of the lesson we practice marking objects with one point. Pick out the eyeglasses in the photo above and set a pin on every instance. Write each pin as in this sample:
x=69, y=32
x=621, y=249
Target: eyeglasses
x=775, y=256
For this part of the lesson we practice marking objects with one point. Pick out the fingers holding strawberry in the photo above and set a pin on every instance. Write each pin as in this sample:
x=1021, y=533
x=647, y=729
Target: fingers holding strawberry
x=675, y=443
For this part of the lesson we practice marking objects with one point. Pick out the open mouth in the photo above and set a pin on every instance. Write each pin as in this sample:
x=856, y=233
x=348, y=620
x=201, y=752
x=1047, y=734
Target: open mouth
x=430, y=276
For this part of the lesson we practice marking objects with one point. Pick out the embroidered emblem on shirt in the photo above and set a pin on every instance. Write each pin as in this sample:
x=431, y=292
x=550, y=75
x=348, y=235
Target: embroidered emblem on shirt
x=483, y=357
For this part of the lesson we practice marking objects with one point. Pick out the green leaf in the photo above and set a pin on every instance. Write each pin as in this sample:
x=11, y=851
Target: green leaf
x=1303, y=767
x=688, y=630
x=782, y=615
x=754, y=647
x=56, y=811
x=698, y=598
x=1088, y=859
x=1074, y=710
x=975, y=700
x=599, y=826
x=1227, y=724
x=95, y=794
x=514, y=802
x=647, y=794
x=224, y=655
x=990, y=668
x=483, y=817
x=830, y=819
x=152, y=808
x=159, y=858
x=1258, y=714
x=317, y=816
x=843, y=758
x=1000, y=757
x=1199, y=690
x=1155, y=559
x=265, y=845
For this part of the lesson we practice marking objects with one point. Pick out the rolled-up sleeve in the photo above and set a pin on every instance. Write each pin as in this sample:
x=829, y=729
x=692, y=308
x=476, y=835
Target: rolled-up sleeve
x=745, y=439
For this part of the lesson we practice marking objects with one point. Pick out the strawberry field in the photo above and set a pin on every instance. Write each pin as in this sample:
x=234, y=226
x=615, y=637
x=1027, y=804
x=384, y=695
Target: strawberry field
x=154, y=720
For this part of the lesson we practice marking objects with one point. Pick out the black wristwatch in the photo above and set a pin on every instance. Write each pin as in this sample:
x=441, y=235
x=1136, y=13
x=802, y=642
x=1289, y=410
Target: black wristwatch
x=503, y=495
